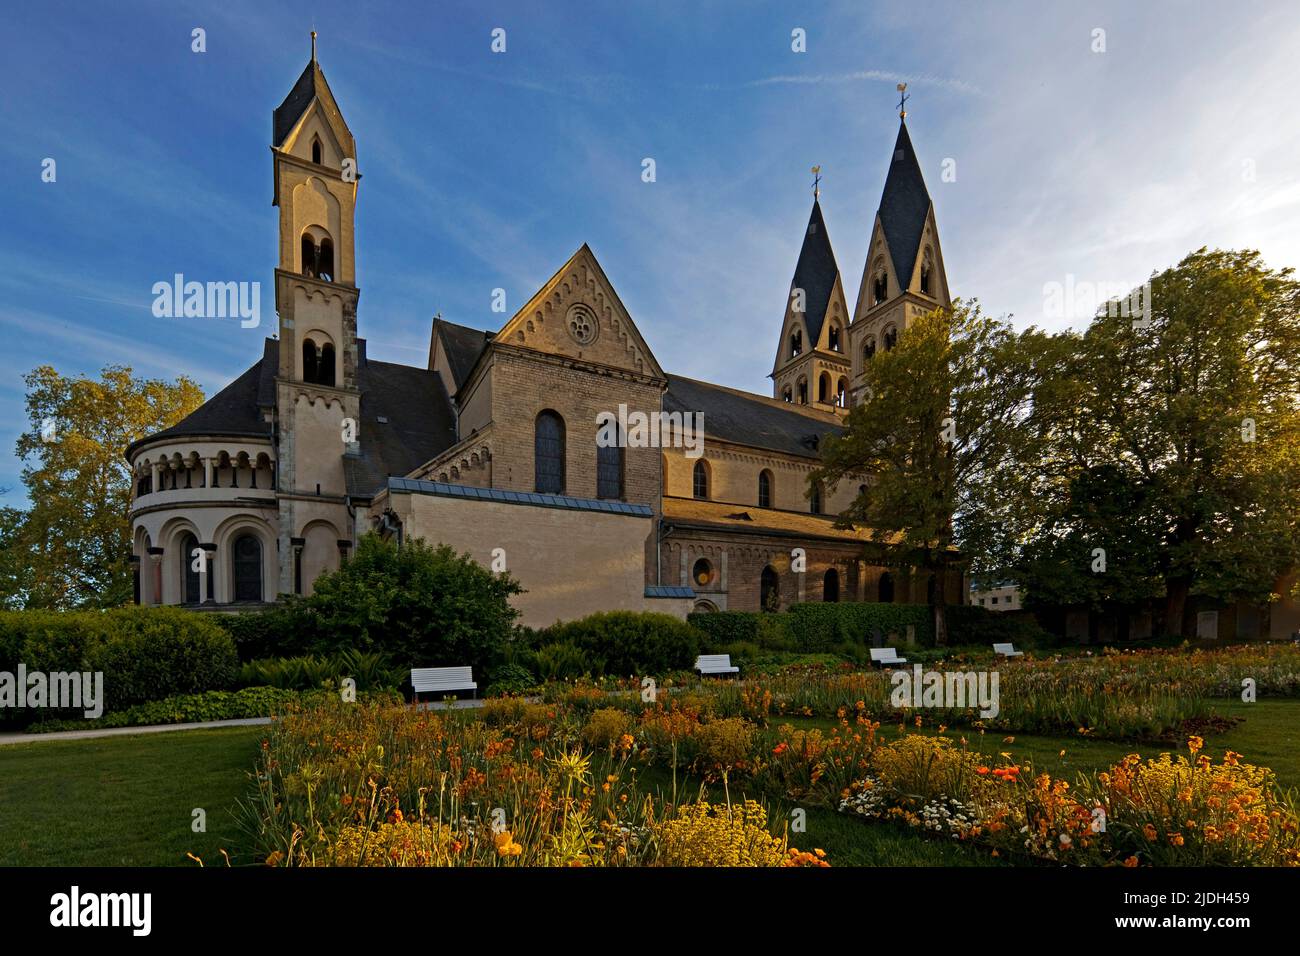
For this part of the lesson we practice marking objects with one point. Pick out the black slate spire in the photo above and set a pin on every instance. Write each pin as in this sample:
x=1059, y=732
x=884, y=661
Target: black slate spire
x=815, y=273
x=904, y=206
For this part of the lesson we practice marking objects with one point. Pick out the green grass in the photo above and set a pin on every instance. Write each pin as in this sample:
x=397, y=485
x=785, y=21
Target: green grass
x=124, y=801
x=127, y=801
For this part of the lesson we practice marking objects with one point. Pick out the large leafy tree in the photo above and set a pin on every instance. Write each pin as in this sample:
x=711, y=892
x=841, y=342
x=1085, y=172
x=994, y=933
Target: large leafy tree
x=73, y=543
x=1170, y=440
x=936, y=438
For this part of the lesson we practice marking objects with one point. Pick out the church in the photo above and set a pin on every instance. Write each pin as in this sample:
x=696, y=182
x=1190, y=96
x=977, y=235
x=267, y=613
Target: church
x=491, y=447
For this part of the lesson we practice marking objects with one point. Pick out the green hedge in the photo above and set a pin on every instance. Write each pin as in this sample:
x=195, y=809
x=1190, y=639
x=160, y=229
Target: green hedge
x=823, y=627
x=721, y=628
x=626, y=643
x=145, y=653
x=208, y=706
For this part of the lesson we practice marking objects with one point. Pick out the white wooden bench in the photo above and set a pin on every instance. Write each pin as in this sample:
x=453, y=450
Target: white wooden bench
x=432, y=680
x=886, y=656
x=1007, y=650
x=715, y=664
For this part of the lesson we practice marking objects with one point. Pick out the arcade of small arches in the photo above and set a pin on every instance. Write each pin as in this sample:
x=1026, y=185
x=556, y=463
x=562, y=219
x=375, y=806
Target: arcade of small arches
x=249, y=470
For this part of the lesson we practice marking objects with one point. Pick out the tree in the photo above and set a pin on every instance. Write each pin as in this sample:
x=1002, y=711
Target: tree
x=935, y=438
x=423, y=606
x=75, y=539
x=1171, y=441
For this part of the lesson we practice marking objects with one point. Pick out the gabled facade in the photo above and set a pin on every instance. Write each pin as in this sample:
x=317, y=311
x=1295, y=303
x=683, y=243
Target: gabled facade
x=493, y=447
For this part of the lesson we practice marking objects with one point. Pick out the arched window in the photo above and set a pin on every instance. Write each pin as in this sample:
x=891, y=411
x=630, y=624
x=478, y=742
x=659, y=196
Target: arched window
x=308, y=256
x=315, y=151
x=548, y=453
x=842, y=393
x=803, y=391
x=246, y=557
x=700, y=481
x=769, y=590
x=815, y=500
x=310, y=361
x=927, y=268
x=609, y=468
x=891, y=338
x=831, y=586
x=879, y=288
x=834, y=338
x=788, y=394
x=325, y=260
x=796, y=342
x=190, y=577
x=886, y=588
x=824, y=388
x=702, y=573
x=869, y=350
x=765, y=489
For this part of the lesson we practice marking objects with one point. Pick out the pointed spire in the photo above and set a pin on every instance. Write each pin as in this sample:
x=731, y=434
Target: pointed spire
x=311, y=85
x=904, y=205
x=816, y=272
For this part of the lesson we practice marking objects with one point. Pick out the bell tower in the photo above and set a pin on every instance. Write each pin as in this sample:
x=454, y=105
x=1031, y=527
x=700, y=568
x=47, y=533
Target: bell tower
x=812, y=363
x=314, y=161
x=903, y=276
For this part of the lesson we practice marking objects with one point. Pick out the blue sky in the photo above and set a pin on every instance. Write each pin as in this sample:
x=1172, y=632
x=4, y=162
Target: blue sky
x=485, y=170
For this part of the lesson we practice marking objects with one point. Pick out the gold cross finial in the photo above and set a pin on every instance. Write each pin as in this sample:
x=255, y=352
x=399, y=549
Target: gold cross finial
x=902, y=101
x=817, y=182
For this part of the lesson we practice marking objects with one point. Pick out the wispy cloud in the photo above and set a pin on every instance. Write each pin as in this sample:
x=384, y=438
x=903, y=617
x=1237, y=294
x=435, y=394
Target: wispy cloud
x=884, y=76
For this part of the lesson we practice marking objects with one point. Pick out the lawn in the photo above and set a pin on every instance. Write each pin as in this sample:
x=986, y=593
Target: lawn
x=128, y=801
x=124, y=801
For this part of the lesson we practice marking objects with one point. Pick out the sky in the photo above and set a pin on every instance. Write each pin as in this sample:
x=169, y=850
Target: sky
x=1087, y=143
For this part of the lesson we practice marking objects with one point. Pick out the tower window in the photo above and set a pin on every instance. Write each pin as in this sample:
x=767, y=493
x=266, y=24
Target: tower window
x=879, y=288
x=318, y=363
x=824, y=388
x=834, y=338
x=308, y=256
x=842, y=393
x=891, y=338
x=796, y=343
x=788, y=394
x=803, y=391
x=700, y=481
x=325, y=260
x=315, y=151
x=869, y=350
x=927, y=268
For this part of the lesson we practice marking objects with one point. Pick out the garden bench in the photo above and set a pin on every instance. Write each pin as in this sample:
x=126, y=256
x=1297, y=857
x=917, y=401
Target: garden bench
x=886, y=656
x=431, y=680
x=715, y=664
x=1007, y=650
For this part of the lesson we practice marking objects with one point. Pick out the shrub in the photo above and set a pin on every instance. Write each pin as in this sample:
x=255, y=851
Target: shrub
x=726, y=744
x=561, y=661
x=722, y=628
x=720, y=835
x=370, y=671
x=262, y=634
x=971, y=624
x=510, y=679
x=420, y=605
x=630, y=642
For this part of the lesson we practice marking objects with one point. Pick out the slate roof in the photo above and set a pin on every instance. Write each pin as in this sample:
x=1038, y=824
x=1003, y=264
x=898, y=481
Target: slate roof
x=747, y=519
x=420, y=424
x=418, y=420
x=904, y=205
x=748, y=419
x=815, y=273
x=463, y=345
x=311, y=83
x=444, y=489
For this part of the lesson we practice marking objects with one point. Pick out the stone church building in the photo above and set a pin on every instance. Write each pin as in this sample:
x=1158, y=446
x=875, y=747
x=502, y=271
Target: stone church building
x=491, y=446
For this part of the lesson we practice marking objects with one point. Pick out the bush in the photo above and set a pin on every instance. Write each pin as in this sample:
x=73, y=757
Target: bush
x=821, y=627
x=421, y=606
x=974, y=625
x=605, y=727
x=261, y=634
x=561, y=661
x=370, y=671
x=145, y=653
x=631, y=642
x=725, y=627
x=510, y=679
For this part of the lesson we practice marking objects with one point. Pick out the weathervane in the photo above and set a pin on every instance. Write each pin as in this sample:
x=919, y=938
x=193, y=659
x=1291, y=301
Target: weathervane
x=817, y=180
x=902, y=101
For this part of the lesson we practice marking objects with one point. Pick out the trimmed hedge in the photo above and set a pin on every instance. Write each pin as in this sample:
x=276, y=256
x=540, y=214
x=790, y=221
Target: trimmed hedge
x=721, y=628
x=630, y=642
x=823, y=627
x=145, y=653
